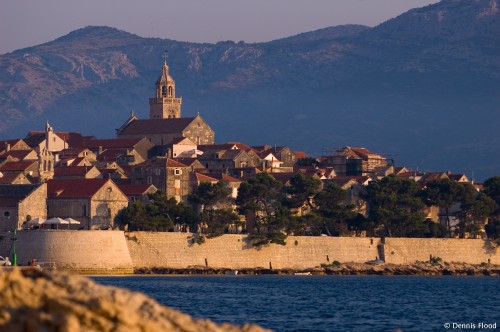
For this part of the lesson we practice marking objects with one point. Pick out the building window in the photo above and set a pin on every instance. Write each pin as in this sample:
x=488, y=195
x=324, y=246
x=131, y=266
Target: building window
x=150, y=179
x=170, y=91
x=6, y=214
x=158, y=171
x=164, y=91
x=177, y=171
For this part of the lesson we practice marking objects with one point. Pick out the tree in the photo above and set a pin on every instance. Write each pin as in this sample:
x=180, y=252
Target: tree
x=260, y=199
x=156, y=215
x=475, y=212
x=492, y=189
x=213, y=199
x=218, y=221
x=394, y=206
x=442, y=193
x=302, y=188
x=332, y=207
x=210, y=195
x=307, y=161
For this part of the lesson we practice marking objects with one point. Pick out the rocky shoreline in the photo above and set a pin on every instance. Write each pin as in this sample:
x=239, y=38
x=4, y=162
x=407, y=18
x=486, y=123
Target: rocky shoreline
x=36, y=300
x=344, y=269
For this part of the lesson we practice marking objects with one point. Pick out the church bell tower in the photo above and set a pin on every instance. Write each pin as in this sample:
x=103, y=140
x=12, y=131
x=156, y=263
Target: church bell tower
x=165, y=105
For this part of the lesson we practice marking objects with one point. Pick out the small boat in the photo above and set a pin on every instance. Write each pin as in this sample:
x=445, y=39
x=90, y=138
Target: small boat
x=302, y=274
x=231, y=272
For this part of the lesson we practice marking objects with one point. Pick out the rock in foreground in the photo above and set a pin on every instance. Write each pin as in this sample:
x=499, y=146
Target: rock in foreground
x=33, y=300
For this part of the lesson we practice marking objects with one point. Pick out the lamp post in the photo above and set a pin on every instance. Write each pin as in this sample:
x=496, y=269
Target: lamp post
x=13, y=238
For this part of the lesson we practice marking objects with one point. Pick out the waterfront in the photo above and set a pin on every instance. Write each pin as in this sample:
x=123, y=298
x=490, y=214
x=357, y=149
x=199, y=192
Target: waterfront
x=326, y=303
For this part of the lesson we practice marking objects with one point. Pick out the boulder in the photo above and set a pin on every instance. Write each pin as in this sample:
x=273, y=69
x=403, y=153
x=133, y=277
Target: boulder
x=35, y=300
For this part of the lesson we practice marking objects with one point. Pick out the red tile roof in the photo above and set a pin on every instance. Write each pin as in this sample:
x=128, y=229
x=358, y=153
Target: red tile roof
x=217, y=147
x=9, y=177
x=78, y=188
x=224, y=177
x=72, y=170
x=136, y=189
x=156, y=126
x=198, y=177
x=112, y=143
x=18, y=154
x=17, y=165
x=300, y=154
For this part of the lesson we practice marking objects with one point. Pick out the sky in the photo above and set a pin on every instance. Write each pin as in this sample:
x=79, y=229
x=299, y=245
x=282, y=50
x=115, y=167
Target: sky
x=25, y=23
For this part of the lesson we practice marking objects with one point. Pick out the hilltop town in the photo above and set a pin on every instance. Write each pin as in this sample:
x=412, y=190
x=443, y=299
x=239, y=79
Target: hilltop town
x=266, y=191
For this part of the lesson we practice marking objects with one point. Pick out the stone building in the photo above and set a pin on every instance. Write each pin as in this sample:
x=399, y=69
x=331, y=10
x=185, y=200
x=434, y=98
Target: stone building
x=13, y=145
x=350, y=161
x=125, y=151
x=165, y=123
x=165, y=131
x=165, y=174
x=20, y=202
x=93, y=202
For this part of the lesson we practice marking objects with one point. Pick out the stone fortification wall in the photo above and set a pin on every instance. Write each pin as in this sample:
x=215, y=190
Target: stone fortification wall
x=113, y=252
x=403, y=250
x=88, y=252
x=176, y=250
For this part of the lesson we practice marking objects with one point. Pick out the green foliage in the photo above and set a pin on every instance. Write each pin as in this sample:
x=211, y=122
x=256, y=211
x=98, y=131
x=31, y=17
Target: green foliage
x=302, y=188
x=218, y=221
x=308, y=161
x=436, y=260
x=395, y=208
x=335, y=212
x=262, y=197
x=156, y=215
x=210, y=195
x=493, y=230
x=492, y=190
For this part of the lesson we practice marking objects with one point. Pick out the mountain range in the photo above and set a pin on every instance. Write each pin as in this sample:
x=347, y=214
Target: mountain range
x=422, y=88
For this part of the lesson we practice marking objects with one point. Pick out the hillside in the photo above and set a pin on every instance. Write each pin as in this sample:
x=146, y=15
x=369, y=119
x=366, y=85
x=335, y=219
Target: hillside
x=423, y=87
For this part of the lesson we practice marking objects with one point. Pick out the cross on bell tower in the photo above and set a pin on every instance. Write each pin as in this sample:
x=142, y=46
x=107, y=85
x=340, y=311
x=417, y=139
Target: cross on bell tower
x=165, y=105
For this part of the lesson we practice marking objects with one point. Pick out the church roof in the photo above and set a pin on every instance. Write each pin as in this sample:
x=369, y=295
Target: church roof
x=156, y=126
x=111, y=143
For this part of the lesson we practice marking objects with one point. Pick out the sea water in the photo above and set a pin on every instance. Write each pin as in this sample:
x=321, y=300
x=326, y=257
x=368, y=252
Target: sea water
x=329, y=303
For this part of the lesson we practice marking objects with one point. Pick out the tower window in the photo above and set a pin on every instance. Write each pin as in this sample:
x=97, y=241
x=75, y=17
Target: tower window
x=164, y=91
x=170, y=91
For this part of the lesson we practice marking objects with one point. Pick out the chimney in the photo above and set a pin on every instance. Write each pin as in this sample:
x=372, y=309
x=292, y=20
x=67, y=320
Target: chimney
x=7, y=147
x=169, y=153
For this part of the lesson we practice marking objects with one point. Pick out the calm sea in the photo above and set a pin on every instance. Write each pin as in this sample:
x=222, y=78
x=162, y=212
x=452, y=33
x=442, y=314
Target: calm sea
x=329, y=303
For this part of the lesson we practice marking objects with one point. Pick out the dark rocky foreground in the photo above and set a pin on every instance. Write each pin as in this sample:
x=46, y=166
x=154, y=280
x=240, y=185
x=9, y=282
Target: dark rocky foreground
x=416, y=269
x=34, y=300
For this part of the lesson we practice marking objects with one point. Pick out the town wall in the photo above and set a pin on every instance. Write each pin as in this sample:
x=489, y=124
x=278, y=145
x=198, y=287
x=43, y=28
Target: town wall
x=406, y=250
x=115, y=252
x=86, y=252
x=178, y=250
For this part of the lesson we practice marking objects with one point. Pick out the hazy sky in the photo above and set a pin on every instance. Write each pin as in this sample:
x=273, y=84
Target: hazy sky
x=26, y=23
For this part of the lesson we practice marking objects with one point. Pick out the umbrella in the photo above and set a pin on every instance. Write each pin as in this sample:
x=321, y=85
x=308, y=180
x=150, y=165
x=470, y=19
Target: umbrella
x=73, y=221
x=56, y=221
